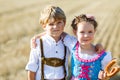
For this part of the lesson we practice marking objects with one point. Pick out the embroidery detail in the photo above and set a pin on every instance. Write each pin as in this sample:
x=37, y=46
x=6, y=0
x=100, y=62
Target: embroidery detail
x=85, y=60
x=84, y=72
x=87, y=68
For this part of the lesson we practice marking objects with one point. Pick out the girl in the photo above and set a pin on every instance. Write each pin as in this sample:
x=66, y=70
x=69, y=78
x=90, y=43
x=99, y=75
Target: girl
x=85, y=62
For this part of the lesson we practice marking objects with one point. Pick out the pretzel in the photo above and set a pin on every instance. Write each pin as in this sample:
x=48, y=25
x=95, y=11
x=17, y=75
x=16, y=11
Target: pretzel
x=110, y=69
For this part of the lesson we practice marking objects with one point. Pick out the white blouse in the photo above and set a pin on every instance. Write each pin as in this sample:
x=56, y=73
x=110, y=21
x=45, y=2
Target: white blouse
x=51, y=49
x=70, y=42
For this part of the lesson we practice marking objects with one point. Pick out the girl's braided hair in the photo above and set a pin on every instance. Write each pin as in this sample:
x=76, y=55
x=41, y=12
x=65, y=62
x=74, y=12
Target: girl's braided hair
x=83, y=18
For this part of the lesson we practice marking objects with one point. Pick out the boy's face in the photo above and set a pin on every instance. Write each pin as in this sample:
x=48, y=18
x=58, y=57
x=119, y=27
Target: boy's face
x=85, y=33
x=55, y=28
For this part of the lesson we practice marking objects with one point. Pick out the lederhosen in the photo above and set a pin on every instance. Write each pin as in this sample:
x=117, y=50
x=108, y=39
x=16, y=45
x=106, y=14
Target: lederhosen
x=55, y=62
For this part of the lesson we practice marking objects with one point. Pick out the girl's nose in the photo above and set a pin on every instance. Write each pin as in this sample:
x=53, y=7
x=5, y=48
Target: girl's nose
x=86, y=35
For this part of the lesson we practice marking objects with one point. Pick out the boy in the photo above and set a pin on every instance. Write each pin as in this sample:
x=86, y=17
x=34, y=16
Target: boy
x=49, y=59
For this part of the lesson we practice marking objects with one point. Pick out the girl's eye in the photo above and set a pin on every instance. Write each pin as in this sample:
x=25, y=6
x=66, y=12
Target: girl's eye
x=82, y=32
x=90, y=32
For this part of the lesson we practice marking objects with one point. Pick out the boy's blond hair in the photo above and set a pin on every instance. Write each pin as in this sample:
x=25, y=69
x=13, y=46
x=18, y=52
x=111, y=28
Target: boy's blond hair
x=52, y=13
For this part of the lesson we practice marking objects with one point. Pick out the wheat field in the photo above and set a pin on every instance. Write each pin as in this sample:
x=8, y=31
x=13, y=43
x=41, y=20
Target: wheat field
x=19, y=22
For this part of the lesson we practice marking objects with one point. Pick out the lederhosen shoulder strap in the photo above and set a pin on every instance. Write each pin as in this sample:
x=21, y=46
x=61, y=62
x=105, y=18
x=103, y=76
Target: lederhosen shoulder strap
x=43, y=59
x=65, y=51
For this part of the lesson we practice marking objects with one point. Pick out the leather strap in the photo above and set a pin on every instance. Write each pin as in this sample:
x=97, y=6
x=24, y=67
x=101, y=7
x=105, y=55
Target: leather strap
x=65, y=50
x=42, y=60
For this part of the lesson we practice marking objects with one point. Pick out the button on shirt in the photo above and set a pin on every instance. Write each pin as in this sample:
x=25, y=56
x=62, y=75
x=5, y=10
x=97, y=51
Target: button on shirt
x=50, y=49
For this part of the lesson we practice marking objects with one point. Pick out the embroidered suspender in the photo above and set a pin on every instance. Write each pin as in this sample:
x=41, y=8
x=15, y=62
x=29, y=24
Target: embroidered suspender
x=52, y=61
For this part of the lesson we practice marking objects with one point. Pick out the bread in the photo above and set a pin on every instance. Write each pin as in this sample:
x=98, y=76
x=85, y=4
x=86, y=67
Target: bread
x=111, y=69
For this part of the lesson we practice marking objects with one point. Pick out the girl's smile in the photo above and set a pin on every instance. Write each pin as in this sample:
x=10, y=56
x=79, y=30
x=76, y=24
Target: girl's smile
x=85, y=33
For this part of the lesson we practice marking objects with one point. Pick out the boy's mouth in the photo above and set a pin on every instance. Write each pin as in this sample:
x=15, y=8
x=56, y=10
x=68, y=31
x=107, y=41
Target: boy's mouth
x=55, y=30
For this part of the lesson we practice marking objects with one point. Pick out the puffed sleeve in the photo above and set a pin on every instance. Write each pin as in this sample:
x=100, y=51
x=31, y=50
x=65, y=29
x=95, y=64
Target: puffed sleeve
x=32, y=64
x=106, y=59
x=70, y=41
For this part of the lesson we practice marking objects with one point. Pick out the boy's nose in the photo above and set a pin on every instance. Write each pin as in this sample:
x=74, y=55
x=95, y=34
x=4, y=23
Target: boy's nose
x=55, y=26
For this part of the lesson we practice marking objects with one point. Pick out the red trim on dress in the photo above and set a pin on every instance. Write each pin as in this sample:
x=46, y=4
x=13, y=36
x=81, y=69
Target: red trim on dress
x=85, y=60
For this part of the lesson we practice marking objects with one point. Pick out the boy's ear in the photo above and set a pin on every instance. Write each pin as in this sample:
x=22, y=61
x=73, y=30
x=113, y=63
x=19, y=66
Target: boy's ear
x=95, y=30
x=64, y=22
x=74, y=32
x=44, y=27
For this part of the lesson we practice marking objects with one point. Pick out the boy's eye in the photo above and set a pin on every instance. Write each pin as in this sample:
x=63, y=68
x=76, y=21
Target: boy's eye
x=51, y=24
x=59, y=22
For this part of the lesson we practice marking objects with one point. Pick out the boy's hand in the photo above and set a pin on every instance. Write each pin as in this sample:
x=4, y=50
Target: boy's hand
x=99, y=48
x=31, y=75
x=103, y=76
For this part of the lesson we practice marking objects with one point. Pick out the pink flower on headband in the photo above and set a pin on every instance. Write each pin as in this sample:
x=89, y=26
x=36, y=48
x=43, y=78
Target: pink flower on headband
x=90, y=16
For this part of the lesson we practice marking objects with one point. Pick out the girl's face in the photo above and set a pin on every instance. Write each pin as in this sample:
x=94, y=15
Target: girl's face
x=85, y=33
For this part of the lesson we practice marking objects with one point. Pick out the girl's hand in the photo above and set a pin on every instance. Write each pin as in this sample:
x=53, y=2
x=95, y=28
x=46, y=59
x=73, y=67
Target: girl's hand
x=33, y=42
x=99, y=48
x=103, y=76
x=33, y=39
x=63, y=35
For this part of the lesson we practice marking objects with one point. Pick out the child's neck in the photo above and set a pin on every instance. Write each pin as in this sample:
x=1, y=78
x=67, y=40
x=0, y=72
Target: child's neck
x=89, y=49
x=56, y=38
x=86, y=47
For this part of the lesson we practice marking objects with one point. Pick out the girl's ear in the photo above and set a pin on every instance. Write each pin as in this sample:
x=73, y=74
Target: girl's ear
x=95, y=30
x=74, y=32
